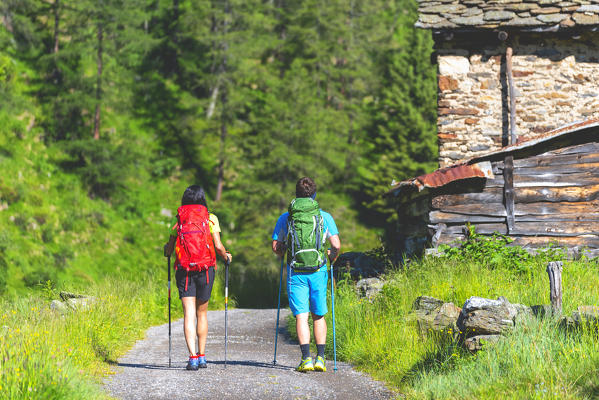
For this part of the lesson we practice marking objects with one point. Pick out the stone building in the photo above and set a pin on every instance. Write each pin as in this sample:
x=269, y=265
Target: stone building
x=511, y=75
x=555, y=47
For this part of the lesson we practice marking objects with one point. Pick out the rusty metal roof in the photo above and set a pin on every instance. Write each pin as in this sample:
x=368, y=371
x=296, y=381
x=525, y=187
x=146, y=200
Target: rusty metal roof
x=480, y=166
x=443, y=176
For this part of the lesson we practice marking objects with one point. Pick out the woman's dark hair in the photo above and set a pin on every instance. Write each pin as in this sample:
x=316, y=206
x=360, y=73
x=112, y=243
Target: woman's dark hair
x=305, y=187
x=194, y=195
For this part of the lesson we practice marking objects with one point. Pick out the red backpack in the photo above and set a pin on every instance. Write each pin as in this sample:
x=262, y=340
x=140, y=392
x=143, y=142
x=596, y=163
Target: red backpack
x=195, y=247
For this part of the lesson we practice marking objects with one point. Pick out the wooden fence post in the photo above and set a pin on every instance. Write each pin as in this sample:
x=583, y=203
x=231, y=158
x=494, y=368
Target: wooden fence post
x=554, y=270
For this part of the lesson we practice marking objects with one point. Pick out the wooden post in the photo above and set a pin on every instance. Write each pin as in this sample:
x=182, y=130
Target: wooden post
x=512, y=90
x=554, y=270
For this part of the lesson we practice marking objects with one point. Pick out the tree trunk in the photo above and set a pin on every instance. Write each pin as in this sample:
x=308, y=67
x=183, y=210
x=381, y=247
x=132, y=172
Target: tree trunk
x=221, y=161
x=56, y=24
x=224, y=113
x=98, y=83
x=175, y=37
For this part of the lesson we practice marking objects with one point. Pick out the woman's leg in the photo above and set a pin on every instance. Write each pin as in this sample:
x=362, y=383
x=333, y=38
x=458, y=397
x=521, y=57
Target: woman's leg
x=202, y=315
x=189, y=321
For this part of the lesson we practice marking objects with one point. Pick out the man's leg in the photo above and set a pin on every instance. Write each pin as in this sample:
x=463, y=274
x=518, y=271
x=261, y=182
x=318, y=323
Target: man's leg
x=202, y=314
x=318, y=307
x=302, y=328
x=320, y=329
x=303, y=335
x=189, y=323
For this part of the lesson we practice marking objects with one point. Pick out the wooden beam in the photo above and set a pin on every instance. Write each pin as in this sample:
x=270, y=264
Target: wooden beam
x=591, y=242
x=552, y=158
x=534, y=228
x=522, y=195
x=512, y=94
x=508, y=187
x=520, y=209
x=592, y=168
x=549, y=180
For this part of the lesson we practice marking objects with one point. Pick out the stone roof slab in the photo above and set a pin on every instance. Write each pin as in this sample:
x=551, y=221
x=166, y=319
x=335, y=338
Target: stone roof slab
x=486, y=15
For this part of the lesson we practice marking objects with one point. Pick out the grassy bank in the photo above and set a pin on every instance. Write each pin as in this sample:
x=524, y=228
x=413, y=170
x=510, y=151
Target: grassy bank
x=538, y=360
x=44, y=354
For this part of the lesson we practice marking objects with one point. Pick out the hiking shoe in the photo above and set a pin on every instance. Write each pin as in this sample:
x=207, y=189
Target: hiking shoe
x=202, y=362
x=193, y=364
x=305, y=365
x=319, y=365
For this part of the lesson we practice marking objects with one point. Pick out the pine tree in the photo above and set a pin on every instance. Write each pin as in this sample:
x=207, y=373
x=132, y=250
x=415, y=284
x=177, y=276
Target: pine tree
x=402, y=143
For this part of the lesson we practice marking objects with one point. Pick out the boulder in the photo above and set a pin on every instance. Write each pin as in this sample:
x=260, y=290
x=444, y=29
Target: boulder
x=426, y=304
x=369, y=287
x=541, y=310
x=482, y=316
x=71, y=302
x=476, y=343
x=447, y=317
x=434, y=314
x=59, y=306
x=80, y=303
x=586, y=315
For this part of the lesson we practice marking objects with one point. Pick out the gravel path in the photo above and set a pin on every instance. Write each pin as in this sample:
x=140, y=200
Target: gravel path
x=143, y=372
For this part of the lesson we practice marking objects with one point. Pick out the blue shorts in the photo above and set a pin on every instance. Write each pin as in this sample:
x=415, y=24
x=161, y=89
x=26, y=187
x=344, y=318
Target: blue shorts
x=307, y=291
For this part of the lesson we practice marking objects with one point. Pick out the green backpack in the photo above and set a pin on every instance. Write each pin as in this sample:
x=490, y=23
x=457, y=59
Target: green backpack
x=305, y=235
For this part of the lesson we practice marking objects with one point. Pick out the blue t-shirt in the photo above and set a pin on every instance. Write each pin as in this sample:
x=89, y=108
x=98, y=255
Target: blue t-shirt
x=329, y=228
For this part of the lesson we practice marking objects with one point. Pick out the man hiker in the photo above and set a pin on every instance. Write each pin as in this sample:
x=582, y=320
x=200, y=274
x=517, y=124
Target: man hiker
x=302, y=233
x=196, y=239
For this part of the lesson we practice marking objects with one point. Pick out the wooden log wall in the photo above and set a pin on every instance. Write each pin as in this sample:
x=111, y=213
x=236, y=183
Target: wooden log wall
x=556, y=196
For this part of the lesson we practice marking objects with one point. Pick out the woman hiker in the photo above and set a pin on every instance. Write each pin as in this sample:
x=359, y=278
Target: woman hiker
x=196, y=239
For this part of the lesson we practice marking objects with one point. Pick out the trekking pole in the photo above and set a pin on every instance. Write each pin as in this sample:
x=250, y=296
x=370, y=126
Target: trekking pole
x=169, y=311
x=278, y=309
x=226, y=305
x=333, y=310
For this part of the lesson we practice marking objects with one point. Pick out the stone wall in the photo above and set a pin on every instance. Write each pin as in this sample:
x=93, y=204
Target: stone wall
x=556, y=76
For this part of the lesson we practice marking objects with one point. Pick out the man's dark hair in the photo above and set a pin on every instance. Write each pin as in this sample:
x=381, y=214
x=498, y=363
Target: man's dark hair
x=305, y=187
x=194, y=195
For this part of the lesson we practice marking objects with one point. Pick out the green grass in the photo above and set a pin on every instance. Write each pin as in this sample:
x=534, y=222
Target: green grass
x=537, y=360
x=47, y=355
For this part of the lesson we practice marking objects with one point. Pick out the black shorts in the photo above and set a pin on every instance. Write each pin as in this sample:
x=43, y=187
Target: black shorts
x=196, y=283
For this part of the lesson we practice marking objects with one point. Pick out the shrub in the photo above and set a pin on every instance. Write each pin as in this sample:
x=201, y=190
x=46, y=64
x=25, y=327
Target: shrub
x=495, y=251
x=103, y=166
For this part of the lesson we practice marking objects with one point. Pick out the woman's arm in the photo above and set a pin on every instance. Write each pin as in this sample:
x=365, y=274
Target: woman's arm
x=220, y=249
x=169, y=247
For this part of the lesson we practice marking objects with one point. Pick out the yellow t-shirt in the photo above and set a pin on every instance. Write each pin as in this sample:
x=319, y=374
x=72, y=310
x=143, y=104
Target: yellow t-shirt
x=214, y=225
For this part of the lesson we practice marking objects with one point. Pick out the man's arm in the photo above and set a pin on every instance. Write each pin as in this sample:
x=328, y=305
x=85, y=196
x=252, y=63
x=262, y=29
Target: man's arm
x=278, y=248
x=335, y=247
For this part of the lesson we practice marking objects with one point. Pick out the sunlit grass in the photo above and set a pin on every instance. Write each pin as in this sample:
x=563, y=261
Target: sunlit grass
x=539, y=360
x=44, y=354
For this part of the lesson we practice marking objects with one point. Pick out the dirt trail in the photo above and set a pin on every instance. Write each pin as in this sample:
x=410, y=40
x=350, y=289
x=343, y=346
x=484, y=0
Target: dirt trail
x=143, y=372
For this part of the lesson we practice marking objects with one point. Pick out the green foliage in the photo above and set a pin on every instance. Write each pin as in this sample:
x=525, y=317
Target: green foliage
x=402, y=142
x=210, y=93
x=105, y=168
x=495, y=251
